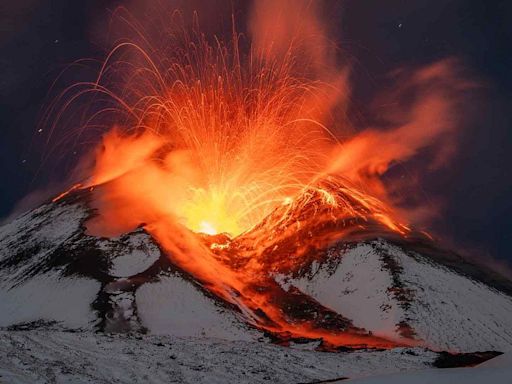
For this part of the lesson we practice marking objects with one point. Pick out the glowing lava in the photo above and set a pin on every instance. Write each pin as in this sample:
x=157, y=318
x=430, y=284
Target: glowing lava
x=204, y=137
x=205, y=227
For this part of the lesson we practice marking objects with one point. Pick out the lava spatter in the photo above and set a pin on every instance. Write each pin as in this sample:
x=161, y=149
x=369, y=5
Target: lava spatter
x=228, y=154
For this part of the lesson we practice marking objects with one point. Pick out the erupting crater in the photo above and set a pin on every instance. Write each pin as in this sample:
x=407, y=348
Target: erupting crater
x=236, y=158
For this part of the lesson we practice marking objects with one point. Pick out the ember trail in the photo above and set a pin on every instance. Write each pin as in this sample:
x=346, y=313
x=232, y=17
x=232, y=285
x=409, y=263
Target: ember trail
x=231, y=158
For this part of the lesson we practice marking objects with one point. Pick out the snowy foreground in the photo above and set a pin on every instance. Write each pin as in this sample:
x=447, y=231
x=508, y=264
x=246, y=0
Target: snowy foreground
x=497, y=370
x=67, y=357
x=75, y=308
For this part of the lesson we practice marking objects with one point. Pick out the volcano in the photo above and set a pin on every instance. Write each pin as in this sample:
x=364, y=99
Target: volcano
x=347, y=304
x=387, y=291
x=229, y=221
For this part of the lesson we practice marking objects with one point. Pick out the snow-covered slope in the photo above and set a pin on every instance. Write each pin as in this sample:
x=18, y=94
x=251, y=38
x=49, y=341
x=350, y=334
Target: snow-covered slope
x=31, y=290
x=174, y=306
x=495, y=371
x=54, y=275
x=401, y=294
x=356, y=287
x=63, y=357
x=49, y=298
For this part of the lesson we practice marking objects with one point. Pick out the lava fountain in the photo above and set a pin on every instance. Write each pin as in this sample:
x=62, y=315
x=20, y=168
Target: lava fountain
x=230, y=155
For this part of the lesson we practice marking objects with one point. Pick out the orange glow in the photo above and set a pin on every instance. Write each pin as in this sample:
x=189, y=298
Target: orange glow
x=65, y=193
x=243, y=147
x=207, y=228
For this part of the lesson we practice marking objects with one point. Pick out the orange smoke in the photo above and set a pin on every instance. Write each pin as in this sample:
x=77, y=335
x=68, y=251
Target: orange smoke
x=209, y=138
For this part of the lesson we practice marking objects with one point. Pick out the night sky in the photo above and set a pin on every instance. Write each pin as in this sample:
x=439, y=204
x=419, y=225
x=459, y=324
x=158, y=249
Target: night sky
x=39, y=38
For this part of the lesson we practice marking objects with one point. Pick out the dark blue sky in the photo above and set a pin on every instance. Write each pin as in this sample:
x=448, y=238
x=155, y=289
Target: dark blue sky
x=37, y=39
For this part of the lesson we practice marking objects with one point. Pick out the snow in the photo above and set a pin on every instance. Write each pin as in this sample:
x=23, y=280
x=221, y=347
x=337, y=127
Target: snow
x=49, y=298
x=176, y=307
x=495, y=371
x=504, y=360
x=358, y=289
x=446, y=310
x=453, y=312
x=37, y=234
x=131, y=263
x=63, y=357
x=141, y=255
x=195, y=338
x=50, y=224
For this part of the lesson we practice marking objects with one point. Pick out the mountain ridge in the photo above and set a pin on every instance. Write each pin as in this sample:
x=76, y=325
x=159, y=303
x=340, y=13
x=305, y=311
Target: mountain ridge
x=128, y=284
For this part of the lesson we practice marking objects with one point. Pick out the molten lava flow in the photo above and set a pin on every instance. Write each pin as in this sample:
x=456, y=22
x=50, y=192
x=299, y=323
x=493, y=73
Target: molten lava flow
x=226, y=160
x=65, y=193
